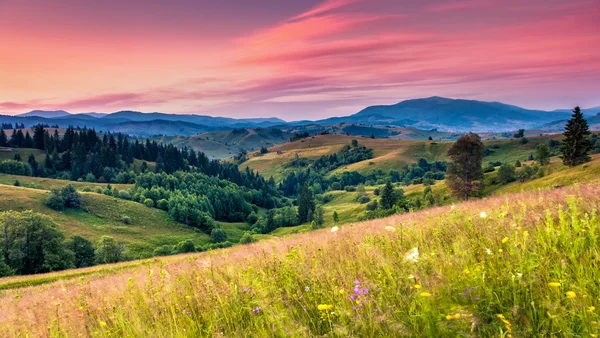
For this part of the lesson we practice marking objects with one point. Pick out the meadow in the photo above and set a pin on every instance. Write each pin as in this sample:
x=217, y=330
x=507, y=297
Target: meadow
x=521, y=264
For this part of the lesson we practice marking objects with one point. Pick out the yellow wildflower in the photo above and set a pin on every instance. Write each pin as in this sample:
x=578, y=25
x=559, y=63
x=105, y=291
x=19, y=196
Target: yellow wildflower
x=554, y=285
x=591, y=308
x=324, y=307
x=504, y=240
x=571, y=294
x=425, y=294
x=449, y=317
x=417, y=286
x=102, y=323
x=341, y=291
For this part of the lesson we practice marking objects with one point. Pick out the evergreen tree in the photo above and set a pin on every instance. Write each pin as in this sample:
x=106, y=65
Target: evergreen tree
x=576, y=144
x=464, y=176
x=3, y=139
x=542, y=154
x=388, y=196
x=336, y=218
x=306, y=205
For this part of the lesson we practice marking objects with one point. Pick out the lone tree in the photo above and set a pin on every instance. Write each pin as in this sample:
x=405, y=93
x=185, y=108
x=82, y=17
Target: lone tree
x=542, y=154
x=388, y=196
x=575, y=146
x=306, y=205
x=464, y=175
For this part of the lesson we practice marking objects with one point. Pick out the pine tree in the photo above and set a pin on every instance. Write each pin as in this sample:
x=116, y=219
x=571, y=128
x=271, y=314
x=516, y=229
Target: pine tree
x=575, y=146
x=464, y=175
x=542, y=154
x=306, y=205
x=3, y=138
x=388, y=196
x=336, y=218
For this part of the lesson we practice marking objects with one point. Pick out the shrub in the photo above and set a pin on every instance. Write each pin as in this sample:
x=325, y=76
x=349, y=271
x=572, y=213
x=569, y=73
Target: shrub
x=336, y=186
x=125, y=219
x=372, y=206
x=98, y=190
x=90, y=177
x=86, y=189
x=164, y=250
x=247, y=238
x=350, y=188
x=364, y=199
x=13, y=167
x=71, y=197
x=162, y=204
x=218, y=235
x=149, y=203
x=55, y=201
x=184, y=247
x=17, y=183
x=124, y=195
x=252, y=218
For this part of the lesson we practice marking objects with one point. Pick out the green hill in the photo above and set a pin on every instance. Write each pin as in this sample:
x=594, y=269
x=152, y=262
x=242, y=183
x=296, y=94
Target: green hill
x=225, y=144
x=387, y=153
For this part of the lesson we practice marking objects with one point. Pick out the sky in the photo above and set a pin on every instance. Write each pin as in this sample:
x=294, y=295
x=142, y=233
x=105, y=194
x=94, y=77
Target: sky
x=293, y=59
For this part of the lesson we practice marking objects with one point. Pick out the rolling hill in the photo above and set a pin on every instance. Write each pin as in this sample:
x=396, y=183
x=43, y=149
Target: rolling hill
x=225, y=144
x=387, y=153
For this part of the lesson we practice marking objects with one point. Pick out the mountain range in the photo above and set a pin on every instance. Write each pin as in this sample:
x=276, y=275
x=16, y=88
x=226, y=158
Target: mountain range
x=443, y=114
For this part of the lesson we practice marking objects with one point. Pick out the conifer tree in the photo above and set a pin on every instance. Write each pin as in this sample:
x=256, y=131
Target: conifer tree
x=575, y=146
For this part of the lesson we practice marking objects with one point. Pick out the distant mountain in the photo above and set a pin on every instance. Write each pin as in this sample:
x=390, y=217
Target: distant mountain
x=454, y=115
x=157, y=127
x=96, y=115
x=46, y=113
x=593, y=122
x=199, y=119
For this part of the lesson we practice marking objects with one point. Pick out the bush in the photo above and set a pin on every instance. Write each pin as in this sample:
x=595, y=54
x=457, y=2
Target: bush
x=336, y=186
x=13, y=167
x=17, y=183
x=124, y=195
x=218, y=235
x=162, y=204
x=364, y=199
x=184, y=247
x=98, y=190
x=247, y=238
x=71, y=197
x=164, y=250
x=149, y=203
x=125, y=219
x=90, y=177
x=252, y=218
x=55, y=201
x=350, y=188
x=372, y=206
x=86, y=189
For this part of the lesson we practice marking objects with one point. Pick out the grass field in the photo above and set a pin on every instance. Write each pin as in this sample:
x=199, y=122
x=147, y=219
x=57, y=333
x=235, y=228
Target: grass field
x=387, y=153
x=524, y=268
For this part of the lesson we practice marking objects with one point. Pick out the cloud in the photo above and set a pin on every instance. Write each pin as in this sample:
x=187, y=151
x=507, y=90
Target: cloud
x=324, y=7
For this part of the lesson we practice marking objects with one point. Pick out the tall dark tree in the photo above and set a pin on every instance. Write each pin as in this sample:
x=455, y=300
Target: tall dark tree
x=576, y=144
x=388, y=196
x=306, y=205
x=464, y=175
x=3, y=139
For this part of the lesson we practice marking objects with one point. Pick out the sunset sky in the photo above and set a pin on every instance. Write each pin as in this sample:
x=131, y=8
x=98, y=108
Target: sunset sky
x=294, y=59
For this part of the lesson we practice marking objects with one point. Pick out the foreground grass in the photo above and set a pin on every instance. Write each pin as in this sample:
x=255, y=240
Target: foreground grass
x=528, y=267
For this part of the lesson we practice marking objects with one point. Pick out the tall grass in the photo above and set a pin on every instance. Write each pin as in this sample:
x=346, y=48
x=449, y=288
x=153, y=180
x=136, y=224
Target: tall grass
x=517, y=265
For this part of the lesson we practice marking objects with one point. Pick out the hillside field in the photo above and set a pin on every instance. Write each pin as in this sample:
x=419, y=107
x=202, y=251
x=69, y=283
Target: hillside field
x=520, y=269
x=387, y=153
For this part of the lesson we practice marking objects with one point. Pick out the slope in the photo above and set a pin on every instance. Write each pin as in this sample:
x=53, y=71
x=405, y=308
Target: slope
x=521, y=268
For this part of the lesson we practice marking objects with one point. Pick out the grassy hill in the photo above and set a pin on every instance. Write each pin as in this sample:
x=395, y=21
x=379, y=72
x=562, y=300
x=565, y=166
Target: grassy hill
x=225, y=144
x=507, y=265
x=387, y=153
x=102, y=215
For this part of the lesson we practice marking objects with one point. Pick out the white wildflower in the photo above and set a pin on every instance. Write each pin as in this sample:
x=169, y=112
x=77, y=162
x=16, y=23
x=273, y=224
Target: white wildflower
x=335, y=228
x=412, y=255
x=390, y=228
x=483, y=214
